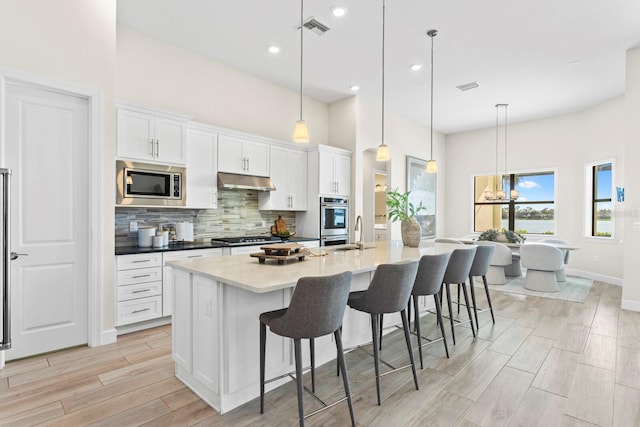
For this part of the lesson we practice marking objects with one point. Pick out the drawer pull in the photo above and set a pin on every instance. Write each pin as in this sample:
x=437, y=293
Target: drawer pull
x=140, y=311
x=195, y=256
x=140, y=290
x=140, y=276
x=140, y=260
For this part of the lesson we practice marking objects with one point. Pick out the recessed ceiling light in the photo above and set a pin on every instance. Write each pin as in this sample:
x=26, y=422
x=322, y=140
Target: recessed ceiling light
x=416, y=67
x=273, y=49
x=338, y=11
x=354, y=88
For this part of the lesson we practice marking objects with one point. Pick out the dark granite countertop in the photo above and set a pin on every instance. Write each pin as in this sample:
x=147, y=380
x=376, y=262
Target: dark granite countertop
x=186, y=246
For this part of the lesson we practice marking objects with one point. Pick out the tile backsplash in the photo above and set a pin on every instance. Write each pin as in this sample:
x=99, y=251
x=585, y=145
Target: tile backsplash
x=237, y=215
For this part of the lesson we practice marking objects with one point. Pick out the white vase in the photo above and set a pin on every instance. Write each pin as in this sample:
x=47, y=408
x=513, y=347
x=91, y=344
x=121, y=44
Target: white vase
x=411, y=232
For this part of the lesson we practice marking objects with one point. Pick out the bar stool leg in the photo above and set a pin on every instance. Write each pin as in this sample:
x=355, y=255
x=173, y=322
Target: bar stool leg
x=439, y=314
x=466, y=301
x=473, y=298
x=298, y=354
x=337, y=356
x=405, y=326
x=458, y=301
x=263, y=343
x=381, y=320
x=345, y=376
x=486, y=290
x=416, y=321
x=376, y=355
x=312, y=354
x=453, y=332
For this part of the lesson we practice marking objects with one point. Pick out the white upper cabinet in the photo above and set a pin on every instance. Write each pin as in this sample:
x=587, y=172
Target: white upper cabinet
x=202, y=182
x=289, y=175
x=334, y=170
x=143, y=135
x=242, y=156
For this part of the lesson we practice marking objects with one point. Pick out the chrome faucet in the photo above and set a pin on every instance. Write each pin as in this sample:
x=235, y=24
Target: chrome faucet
x=359, y=227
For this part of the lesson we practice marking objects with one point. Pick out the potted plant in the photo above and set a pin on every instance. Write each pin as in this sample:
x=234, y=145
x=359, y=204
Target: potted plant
x=401, y=209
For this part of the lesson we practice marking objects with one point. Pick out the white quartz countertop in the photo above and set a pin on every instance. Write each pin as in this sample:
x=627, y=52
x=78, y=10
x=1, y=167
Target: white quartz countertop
x=247, y=273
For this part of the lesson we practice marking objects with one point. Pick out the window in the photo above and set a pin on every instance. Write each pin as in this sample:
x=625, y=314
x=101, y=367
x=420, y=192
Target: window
x=600, y=189
x=533, y=212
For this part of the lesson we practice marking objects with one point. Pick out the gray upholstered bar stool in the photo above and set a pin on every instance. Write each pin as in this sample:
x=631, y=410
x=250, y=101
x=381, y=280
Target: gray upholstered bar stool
x=457, y=272
x=317, y=307
x=480, y=267
x=388, y=292
x=428, y=281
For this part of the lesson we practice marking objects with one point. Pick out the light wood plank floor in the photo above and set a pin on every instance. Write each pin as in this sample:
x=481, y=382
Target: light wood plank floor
x=545, y=362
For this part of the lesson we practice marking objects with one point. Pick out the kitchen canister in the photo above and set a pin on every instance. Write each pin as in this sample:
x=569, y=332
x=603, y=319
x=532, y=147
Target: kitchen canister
x=165, y=237
x=157, y=241
x=184, y=231
x=145, y=236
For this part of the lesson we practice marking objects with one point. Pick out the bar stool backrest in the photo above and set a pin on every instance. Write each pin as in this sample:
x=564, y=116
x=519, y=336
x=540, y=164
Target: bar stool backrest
x=430, y=274
x=317, y=307
x=482, y=260
x=390, y=288
x=459, y=265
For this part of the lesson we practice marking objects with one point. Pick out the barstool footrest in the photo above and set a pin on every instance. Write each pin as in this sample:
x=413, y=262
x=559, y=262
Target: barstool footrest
x=290, y=374
x=326, y=406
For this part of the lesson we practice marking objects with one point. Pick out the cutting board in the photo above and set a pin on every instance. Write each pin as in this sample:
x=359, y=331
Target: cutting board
x=282, y=248
x=281, y=225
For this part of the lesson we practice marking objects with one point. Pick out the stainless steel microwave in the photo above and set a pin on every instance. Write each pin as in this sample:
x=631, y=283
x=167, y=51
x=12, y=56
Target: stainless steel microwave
x=142, y=184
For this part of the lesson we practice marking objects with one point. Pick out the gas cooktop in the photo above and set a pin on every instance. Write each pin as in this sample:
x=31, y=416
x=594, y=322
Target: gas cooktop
x=245, y=240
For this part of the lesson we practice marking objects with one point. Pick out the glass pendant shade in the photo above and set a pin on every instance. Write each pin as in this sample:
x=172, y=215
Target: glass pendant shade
x=383, y=153
x=500, y=194
x=301, y=132
x=432, y=166
x=515, y=194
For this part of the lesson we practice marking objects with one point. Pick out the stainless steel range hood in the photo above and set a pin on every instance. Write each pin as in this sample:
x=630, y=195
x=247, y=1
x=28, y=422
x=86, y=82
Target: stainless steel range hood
x=244, y=182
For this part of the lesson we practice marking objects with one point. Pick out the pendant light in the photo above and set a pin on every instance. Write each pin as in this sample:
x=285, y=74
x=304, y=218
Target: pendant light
x=301, y=132
x=383, y=150
x=499, y=194
x=432, y=166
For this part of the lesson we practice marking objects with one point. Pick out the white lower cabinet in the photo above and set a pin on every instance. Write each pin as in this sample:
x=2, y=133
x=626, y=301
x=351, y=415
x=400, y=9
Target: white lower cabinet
x=167, y=278
x=139, y=288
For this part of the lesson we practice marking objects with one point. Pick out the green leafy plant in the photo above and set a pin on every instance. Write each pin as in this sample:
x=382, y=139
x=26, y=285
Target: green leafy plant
x=399, y=206
x=510, y=236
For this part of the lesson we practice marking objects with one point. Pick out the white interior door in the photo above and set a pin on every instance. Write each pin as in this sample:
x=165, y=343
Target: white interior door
x=46, y=146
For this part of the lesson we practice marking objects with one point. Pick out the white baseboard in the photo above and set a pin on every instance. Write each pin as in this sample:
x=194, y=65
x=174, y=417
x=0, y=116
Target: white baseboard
x=594, y=276
x=143, y=325
x=631, y=305
x=108, y=337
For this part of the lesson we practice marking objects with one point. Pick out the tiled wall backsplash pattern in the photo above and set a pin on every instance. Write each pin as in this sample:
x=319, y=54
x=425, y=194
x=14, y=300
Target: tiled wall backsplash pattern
x=237, y=215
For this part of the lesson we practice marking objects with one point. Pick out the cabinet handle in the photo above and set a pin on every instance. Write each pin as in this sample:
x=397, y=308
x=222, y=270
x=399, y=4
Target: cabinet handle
x=194, y=256
x=247, y=163
x=140, y=260
x=337, y=187
x=140, y=276
x=157, y=148
x=152, y=152
x=140, y=311
x=140, y=290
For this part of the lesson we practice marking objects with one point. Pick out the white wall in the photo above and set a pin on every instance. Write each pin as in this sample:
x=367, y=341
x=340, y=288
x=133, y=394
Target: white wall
x=71, y=42
x=153, y=73
x=565, y=143
x=631, y=290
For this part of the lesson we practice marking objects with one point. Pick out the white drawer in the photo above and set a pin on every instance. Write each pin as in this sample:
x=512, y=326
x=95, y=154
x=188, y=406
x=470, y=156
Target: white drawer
x=189, y=254
x=140, y=275
x=138, y=310
x=140, y=290
x=128, y=262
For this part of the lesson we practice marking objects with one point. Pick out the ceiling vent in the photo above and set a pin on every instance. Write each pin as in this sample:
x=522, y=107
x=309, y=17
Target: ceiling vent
x=468, y=86
x=315, y=26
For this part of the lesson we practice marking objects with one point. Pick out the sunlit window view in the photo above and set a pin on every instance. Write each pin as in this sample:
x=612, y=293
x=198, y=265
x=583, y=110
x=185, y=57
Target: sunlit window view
x=531, y=210
x=601, y=214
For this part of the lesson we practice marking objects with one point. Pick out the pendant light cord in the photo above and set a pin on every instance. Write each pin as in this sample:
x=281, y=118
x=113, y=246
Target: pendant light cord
x=383, y=19
x=505, y=139
x=497, y=123
x=301, y=50
x=432, y=34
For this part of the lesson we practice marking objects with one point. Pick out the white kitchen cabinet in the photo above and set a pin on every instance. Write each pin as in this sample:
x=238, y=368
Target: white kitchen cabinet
x=167, y=277
x=154, y=137
x=289, y=175
x=242, y=156
x=334, y=172
x=138, y=288
x=202, y=169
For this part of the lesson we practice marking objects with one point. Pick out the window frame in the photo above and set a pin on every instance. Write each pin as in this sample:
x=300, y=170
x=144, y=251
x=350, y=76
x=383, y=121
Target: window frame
x=590, y=213
x=512, y=204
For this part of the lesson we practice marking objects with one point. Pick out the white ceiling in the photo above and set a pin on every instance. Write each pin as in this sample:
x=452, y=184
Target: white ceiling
x=542, y=57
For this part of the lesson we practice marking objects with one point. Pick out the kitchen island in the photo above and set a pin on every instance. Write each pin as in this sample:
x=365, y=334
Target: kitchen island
x=217, y=302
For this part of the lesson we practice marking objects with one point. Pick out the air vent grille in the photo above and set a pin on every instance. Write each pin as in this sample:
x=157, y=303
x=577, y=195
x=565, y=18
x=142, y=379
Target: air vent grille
x=315, y=26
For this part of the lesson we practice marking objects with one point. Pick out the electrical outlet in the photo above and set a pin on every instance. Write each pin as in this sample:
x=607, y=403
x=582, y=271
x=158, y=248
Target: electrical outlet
x=133, y=226
x=264, y=223
x=636, y=226
x=596, y=258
